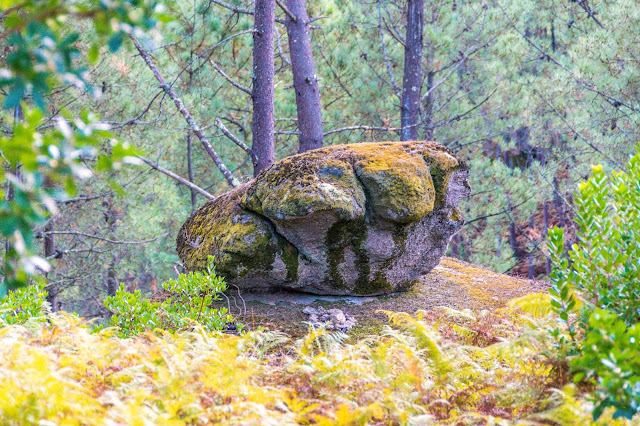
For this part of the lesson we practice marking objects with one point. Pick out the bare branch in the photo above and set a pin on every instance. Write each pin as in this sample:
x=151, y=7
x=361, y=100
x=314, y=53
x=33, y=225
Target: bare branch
x=317, y=18
x=280, y=51
x=345, y=129
x=220, y=125
x=286, y=10
x=104, y=239
x=85, y=198
x=394, y=35
x=186, y=114
x=177, y=178
x=229, y=79
x=459, y=116
x=135, y=119
x=386, y=57
x=462, y=59
x=583, y=4
x=233, y=8
x=240, y=9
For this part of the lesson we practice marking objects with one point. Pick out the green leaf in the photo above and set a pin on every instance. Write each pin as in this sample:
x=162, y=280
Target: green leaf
x=115, y=41
x=93, y=53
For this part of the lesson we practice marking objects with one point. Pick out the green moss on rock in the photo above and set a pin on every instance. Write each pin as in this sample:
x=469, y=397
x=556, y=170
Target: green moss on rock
x=340, y=237
x=308, y=210
x=399, y=184
x=239, y=240
x=303, y=184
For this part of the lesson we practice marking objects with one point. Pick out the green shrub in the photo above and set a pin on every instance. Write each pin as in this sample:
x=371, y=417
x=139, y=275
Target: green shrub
x=189, y=301
x=611, y=356
x=604, y=265
x=23, y=304
x=602, y=273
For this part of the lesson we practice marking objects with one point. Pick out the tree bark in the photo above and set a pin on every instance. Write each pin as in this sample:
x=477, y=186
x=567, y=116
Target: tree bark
x=305, y=79
x=428, y=109
x=112, y=283
x=545, y=213
x=18, y=116
x=262, y=93
x=49, y=249
x=412, y=79
x=177, y=178
x=532, y=226
x=190, y=169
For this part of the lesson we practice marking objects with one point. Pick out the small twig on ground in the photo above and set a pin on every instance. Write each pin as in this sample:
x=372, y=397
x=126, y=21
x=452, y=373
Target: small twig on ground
x=241, y=298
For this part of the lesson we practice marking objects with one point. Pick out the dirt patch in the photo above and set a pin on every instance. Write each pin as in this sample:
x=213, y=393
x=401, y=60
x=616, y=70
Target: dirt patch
x=453, y=283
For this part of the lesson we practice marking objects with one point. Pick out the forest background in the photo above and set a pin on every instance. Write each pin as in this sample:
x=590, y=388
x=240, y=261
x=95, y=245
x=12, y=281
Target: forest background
x=529, y=93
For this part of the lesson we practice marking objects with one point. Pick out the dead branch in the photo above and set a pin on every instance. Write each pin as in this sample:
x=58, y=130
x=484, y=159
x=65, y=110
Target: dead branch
x=186, y=114
x=177, y=178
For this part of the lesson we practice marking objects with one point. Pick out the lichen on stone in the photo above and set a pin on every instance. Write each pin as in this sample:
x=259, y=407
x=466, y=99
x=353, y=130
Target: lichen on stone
x=335, y=220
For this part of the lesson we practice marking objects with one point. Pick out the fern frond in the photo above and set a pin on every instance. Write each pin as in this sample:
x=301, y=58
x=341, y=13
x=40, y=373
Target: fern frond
x=535, y=305
x=427, y=338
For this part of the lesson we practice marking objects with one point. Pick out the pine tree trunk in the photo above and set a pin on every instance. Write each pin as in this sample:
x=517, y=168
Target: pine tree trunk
x=18, y=116
x=532, y=226
x=190, y=169
x=305, y=80
x=49, y=249
x=262, y=92
x=546, y=230
x=412, y=79
x=112, y=283
x=428, y=109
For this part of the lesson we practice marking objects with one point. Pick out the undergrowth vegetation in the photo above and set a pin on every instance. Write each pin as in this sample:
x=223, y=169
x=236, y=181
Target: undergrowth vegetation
x=182, y=303
x=442, y=366
x=596, y=289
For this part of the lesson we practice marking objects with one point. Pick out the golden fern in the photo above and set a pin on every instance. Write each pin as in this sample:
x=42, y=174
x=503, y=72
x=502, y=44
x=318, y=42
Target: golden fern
x=425, y=335
x=534, y=305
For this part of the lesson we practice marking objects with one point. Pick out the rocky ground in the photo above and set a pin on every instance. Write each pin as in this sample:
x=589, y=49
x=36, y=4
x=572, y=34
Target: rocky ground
x=453, y=283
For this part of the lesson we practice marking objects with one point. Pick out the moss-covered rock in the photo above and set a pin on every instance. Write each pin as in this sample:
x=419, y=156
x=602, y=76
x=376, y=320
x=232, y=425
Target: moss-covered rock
x=361, y=219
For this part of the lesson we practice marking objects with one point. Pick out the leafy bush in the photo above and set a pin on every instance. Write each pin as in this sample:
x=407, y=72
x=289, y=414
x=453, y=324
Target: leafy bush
x=610, y=355
x=23, y=304
x=188, y=302
x=596, y=291
x=44, y=54
x=604, y=265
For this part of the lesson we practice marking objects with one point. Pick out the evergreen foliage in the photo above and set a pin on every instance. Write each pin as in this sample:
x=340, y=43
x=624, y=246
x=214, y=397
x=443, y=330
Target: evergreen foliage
x=187, y=301
x=41, y=162
x=596, y=293
x=530, y=93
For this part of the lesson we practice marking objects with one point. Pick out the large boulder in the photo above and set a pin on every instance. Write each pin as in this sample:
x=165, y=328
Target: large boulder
x=361, y=219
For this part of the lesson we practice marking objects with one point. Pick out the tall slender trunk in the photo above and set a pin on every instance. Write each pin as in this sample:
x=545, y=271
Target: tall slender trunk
x=18, y=116
x=49, y=249
x=112, y=280
x=532, y=226
x=190, y=168
x=305, y=80
x=412, y=79
x=262, y=92
x=545, y=212
x=428, y=109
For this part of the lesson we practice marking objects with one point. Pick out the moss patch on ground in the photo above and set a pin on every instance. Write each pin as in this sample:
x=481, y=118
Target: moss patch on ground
x=453, y=283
